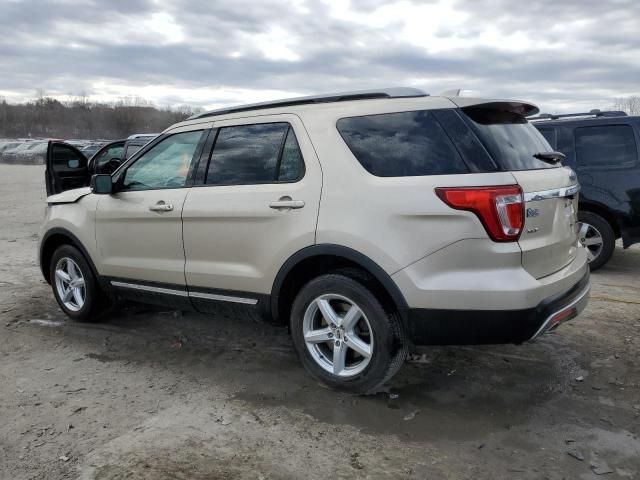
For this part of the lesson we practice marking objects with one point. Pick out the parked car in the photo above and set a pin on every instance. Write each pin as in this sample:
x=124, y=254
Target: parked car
x=602, y=147
x=35, y=154
x=32, y=151
x=364, y=221
x=90, y=149
x=8, y=145
x=111, y=155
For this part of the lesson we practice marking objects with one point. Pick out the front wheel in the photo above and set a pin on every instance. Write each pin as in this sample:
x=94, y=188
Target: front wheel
x=597, y=236
x=344, y=337
x=74, y=285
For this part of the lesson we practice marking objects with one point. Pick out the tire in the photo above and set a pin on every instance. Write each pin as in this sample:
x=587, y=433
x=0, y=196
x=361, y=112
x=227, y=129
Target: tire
x=374, y=331
x=94, y=304
x=600, y=254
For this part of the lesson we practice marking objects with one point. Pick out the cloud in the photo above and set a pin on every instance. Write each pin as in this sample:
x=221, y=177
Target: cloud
x=568, y=55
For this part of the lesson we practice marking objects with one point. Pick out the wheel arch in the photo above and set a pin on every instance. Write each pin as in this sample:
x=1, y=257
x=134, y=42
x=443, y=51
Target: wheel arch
x=53, y=239
x=604, y=212
x=315, y=260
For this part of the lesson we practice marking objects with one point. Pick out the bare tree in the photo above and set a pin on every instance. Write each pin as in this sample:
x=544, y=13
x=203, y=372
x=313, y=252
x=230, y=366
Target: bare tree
x=80, y=118
x=631, y=104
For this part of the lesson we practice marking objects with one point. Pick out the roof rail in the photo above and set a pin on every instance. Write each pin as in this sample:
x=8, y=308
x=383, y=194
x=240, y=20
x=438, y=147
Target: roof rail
x=592, y=113
x=394, y=92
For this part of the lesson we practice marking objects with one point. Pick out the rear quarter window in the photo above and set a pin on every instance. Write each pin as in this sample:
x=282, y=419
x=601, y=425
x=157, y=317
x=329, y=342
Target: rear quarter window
x=510, y=139
x=401, y=144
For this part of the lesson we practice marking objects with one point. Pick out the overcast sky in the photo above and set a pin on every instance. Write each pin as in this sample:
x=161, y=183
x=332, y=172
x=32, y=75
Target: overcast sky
x=561, y=54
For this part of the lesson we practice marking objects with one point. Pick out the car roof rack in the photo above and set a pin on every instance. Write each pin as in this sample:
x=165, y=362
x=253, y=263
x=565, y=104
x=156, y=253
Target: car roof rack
x=394, y=92
x=596, y=113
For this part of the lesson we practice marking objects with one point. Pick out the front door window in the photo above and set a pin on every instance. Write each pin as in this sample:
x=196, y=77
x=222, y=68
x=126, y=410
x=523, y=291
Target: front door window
x=165, y=165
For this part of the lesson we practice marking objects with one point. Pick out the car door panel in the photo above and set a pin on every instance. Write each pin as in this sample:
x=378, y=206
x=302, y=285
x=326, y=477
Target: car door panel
x=139, y=227
x=139, y=243
x=66, y=168
x=236, y=237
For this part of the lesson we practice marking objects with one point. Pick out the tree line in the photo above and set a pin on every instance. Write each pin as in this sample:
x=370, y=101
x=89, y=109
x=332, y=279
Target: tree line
x=46, y=117
x=631, y=104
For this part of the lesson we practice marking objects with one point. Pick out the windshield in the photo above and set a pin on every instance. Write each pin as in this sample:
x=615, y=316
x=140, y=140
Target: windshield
x=509, y=138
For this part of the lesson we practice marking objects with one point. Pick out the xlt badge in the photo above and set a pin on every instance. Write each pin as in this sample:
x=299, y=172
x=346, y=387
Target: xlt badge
x=532, y=212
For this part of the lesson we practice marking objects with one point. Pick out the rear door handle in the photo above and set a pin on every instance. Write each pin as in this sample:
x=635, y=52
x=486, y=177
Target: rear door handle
x=286, y=203
x=161, y=207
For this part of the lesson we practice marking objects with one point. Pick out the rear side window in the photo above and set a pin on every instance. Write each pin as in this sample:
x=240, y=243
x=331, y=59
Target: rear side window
x=401, y=144
x=511, y=140
x=291, y=164
x=251, y=154
x=605, y=145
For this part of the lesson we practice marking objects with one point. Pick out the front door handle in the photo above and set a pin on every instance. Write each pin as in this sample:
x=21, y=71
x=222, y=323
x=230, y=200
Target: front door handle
x=286, y=203
x=161, y=207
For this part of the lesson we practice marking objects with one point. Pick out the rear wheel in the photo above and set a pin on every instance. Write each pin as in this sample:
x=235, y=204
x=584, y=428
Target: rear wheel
x=597, y=236
x=344, y=337
x=75, y=287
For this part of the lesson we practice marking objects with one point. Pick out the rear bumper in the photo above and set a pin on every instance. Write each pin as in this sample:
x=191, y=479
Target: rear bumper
x=473, y=327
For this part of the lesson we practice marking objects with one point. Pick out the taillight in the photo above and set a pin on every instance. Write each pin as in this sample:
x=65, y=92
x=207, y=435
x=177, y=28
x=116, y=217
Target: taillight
x=500, y=209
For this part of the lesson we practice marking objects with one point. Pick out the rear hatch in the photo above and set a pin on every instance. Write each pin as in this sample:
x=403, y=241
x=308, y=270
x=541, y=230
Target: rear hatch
x=549, y=238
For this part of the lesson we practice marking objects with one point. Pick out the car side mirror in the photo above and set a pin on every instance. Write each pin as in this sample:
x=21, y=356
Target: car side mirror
x=101, y=184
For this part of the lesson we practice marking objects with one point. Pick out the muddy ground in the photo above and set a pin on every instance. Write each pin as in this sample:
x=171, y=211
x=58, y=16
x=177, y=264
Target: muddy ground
x=155, y=394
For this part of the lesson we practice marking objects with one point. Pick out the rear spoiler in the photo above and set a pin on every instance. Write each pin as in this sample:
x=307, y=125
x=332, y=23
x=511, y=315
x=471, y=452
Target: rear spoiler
x=513, y=106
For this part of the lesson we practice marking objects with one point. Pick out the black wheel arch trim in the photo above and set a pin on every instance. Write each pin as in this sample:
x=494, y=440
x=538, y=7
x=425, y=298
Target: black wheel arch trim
x=338, y=251
x=75, y=242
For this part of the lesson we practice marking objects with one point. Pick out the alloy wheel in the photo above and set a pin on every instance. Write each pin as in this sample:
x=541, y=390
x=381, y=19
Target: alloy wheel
x=591, y=239
x=70, y=284
x=338, y=335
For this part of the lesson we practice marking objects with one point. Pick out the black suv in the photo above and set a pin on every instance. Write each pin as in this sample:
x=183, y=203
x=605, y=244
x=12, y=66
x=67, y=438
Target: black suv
x=602, y=147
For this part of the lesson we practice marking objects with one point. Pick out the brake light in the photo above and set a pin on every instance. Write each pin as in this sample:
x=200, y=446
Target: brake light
x=500, y=209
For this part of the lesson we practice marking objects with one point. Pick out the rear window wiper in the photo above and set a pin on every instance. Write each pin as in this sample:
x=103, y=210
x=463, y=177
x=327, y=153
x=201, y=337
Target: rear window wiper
x=550, y=157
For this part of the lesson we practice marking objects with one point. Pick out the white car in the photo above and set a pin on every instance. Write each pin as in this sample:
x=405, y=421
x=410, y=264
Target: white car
x=366, y=221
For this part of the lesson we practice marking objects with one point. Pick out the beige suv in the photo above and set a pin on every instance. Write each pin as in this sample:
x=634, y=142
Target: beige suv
x=366, y=221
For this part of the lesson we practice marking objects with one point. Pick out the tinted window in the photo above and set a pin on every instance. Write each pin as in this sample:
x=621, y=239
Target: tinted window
x=401, y=144
x=249, y=154
x=473, y=153
x=605, y=145
x=550, y=136
x=165, y=165
x=291, y=163
x=510, y=139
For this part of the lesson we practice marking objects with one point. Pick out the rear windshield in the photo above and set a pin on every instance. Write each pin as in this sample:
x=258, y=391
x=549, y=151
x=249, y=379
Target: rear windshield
x=511, y=140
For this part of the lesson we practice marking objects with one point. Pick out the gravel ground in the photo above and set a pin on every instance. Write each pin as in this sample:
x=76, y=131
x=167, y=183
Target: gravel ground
x=155, y=394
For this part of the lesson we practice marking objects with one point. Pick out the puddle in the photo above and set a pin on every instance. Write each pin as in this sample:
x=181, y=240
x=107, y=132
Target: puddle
x=458, y=395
